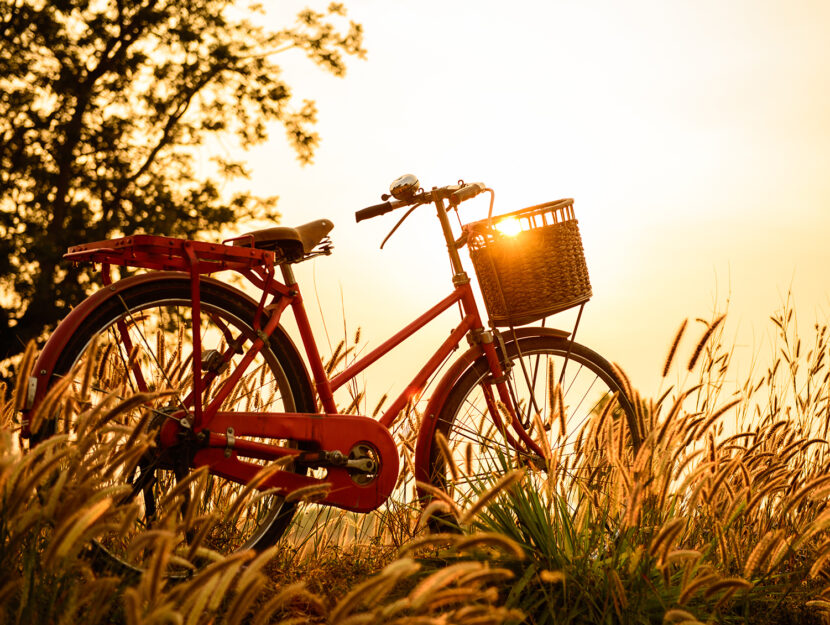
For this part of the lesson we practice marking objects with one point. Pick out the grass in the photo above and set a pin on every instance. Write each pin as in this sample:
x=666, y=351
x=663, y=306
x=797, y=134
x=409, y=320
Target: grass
x=721, y=516
x=62, y=499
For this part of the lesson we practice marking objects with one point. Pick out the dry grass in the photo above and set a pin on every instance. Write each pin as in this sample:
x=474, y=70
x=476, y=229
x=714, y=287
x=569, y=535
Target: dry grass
x=63, y=500
x=720, y=516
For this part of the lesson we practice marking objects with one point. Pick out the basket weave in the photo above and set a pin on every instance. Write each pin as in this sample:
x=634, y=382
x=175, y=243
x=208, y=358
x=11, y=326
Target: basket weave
x=539, y=271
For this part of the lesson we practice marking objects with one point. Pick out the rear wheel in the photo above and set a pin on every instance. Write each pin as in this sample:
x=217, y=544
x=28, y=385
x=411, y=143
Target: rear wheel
x=140, y=340
x=478, y=448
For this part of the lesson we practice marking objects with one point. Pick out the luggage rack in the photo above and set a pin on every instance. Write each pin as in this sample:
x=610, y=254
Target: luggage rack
x=169, y=253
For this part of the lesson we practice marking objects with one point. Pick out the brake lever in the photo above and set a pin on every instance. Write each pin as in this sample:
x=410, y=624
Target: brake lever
x=397, y=225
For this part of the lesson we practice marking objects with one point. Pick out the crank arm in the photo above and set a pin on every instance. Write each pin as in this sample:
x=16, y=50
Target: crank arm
x=324, y=459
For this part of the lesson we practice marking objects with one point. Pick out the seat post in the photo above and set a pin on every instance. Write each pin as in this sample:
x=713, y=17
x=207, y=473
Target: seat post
x=287, y=274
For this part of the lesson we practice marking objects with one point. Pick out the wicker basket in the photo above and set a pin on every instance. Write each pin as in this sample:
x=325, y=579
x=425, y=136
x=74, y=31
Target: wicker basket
x=534, y=273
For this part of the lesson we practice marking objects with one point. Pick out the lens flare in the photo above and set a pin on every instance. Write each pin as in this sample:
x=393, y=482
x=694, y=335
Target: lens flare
x=510, y=226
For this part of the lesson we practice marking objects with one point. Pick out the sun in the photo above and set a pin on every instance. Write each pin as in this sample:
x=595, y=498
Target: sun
x=510, y=226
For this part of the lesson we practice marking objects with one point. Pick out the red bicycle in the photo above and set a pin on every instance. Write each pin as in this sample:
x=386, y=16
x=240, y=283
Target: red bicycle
x=243, y=395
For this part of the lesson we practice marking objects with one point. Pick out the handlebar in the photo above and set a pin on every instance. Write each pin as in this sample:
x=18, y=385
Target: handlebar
x=455, y=194
x=466, y=192
x=374, y=211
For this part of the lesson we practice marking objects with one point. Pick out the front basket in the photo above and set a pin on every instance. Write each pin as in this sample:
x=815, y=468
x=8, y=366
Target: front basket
x=530, y=263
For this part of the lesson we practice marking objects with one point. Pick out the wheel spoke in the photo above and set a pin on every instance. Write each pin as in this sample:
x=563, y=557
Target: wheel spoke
x=156, y=318
x=587, y=385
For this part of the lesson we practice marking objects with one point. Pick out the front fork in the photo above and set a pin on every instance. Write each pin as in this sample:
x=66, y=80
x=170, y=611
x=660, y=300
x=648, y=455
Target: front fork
x=504, y=402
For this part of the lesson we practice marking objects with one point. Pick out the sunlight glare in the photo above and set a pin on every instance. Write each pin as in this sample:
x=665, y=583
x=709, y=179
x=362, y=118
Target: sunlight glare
x=509, y=227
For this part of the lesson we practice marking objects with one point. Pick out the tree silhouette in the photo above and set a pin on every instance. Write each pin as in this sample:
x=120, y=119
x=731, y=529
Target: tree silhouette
x=103, y=106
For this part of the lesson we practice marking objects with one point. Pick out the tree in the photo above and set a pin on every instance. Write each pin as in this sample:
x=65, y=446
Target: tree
x=103, y=106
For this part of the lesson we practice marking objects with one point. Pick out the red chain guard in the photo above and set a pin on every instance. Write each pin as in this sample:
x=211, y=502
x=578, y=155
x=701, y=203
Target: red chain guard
x=318, y=432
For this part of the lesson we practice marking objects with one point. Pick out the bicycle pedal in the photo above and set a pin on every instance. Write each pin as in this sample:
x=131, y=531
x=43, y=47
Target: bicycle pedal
x=537, y=462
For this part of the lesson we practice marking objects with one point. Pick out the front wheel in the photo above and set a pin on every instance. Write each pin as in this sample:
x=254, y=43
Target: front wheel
x=559, y=388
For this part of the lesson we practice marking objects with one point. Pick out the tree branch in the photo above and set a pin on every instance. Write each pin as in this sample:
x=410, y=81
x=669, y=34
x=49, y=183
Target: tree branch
x=174, y=119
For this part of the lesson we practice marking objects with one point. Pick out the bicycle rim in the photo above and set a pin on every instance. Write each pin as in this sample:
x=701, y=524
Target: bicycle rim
x=157, y=322
x=561, y=390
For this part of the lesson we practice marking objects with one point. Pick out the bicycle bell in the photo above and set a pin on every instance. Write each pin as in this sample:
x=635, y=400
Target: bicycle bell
x=405, y=187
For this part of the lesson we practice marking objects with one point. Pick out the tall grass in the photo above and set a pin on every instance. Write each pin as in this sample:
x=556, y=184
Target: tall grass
x=62, y=502
x=60, y=498
x=721, y=516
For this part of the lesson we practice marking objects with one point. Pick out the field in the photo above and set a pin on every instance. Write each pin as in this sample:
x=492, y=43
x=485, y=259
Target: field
x=721, y=516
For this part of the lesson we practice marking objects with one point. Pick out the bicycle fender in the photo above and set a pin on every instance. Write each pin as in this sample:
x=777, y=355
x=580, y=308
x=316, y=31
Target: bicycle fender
x=423, y=446
x=44, y=367
x=329, y=432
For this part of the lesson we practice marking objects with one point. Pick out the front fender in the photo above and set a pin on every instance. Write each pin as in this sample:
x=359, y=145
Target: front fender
x=442, y=390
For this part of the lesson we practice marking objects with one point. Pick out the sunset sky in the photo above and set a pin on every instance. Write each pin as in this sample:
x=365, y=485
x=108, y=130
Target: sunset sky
x=694, y=136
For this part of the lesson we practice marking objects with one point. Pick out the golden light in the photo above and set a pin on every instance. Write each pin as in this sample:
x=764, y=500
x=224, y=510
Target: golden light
x=510, y=226
x=413, y=395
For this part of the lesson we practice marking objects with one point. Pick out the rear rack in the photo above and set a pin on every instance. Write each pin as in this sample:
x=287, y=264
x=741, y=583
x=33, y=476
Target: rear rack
x=168, y=253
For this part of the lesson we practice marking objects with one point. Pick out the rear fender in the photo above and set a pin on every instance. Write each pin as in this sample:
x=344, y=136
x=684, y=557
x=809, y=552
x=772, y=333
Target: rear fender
x=44, y=367
x=423, y=447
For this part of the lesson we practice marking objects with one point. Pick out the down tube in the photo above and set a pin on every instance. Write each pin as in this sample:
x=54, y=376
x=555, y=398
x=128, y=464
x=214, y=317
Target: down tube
x=417, y=384
x=327, y=386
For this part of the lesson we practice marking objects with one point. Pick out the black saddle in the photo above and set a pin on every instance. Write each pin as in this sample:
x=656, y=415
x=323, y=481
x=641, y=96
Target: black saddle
x=292, y=243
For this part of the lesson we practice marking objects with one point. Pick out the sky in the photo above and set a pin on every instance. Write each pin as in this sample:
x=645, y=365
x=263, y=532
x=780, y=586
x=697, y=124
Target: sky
x=693, y=135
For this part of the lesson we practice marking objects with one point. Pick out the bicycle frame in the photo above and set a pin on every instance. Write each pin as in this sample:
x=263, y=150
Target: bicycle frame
x=217, y=431
x=470, y=324
x=288, y=295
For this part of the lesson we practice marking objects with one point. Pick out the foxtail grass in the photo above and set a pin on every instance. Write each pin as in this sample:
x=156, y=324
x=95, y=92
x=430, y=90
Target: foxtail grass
x=720, y=515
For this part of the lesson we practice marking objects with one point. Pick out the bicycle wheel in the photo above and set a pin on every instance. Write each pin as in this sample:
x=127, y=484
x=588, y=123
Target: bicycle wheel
x=480, y=449
x=157, y=318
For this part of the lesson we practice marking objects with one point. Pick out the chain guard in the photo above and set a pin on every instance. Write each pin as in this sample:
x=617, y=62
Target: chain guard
x=342, y=433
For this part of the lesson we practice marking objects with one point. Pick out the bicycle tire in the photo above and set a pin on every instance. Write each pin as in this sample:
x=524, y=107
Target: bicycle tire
x=158, y=313
x=481, y=452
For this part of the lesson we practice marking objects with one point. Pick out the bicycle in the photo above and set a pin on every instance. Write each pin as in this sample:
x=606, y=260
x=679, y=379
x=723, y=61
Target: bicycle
x=245, y=398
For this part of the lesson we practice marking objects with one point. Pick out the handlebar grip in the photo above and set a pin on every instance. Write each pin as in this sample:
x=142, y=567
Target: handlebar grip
x=467, y=192
x=373, y=211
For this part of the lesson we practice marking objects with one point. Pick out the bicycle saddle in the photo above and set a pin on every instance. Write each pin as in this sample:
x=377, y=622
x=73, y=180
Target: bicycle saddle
x=293, y=243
